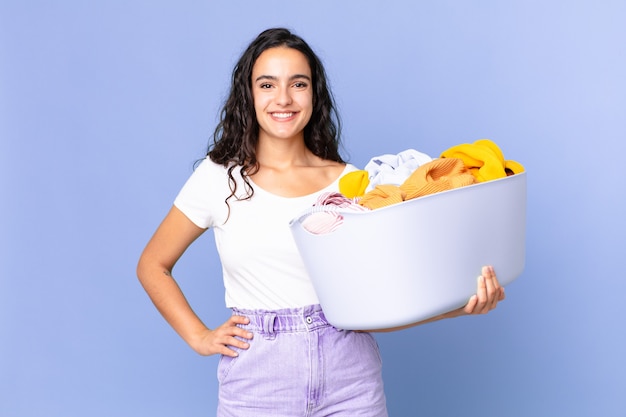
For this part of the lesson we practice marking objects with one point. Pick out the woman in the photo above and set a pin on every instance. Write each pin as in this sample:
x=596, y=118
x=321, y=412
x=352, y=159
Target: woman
x=275, y=150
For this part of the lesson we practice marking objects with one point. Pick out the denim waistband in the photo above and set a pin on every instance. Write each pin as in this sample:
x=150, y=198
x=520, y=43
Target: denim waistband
x=302, y=319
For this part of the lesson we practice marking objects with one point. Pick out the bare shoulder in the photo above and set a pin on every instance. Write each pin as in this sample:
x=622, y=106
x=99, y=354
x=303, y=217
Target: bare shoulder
x=329, y=168
x=315, y=161
x=322, y=172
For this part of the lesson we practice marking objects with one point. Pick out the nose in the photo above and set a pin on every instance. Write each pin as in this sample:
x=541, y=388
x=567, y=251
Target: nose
x=283, y=96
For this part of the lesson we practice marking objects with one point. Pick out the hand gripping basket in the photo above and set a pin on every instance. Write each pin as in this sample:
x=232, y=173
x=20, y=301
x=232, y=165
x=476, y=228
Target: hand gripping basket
x=410, y=261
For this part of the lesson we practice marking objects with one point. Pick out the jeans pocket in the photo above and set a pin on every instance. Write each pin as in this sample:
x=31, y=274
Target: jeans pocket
x=226, y=363
x=374, y=345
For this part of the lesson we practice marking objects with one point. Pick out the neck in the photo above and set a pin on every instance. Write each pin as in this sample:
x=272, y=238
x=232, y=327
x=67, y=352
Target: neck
x=283, y=153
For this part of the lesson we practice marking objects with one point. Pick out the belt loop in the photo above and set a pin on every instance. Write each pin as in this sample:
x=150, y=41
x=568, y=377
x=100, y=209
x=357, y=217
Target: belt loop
x=269, y=321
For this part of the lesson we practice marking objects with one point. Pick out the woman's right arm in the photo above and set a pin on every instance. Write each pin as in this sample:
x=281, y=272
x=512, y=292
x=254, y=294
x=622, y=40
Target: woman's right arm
x=154, y=270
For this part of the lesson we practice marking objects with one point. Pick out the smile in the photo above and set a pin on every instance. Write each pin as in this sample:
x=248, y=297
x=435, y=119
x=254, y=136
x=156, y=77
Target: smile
x=282, y=115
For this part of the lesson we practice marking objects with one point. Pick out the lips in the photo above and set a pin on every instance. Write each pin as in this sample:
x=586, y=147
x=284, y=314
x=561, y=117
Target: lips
x=282, y=115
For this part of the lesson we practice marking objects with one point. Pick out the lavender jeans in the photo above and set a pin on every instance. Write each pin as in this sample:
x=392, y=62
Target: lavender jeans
x=300, y=365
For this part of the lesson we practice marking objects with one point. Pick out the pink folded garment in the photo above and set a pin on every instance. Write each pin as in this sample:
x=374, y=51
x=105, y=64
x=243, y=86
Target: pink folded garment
x=326, y=221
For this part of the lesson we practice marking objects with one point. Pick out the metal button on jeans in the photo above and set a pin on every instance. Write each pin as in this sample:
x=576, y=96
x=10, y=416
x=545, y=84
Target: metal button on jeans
x=309, y=320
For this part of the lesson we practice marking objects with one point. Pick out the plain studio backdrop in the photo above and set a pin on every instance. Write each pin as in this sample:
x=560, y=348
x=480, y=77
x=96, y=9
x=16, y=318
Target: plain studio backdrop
x=105, y=106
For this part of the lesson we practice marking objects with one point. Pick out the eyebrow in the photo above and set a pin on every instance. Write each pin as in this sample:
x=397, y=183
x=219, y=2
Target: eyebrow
x=274, y=78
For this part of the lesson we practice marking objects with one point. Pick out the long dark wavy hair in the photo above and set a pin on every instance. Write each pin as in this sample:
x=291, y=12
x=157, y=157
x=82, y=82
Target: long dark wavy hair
x=236, y=135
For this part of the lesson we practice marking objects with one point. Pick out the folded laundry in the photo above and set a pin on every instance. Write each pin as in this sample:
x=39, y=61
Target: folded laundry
x=325, y=221
x=354, y=183
x=382, y=195
x=435, y=176
x=484, y=159
x=394, y=169
x=391, y=179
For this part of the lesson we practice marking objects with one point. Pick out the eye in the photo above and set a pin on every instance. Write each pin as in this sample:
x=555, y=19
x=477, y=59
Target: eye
x=265, y=86
x=300, y=84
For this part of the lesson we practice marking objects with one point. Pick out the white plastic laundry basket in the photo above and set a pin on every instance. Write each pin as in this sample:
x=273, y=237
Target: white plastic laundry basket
x=413, y=260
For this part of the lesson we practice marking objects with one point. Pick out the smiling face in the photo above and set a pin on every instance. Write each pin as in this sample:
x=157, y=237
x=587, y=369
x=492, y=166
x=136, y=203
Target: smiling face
x=283, y=93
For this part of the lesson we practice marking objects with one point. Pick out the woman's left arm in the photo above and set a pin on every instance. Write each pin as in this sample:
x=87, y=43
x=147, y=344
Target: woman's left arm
x=488, y=294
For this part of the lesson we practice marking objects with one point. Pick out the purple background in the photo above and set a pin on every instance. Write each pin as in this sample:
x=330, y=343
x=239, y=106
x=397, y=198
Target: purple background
x=105, y=105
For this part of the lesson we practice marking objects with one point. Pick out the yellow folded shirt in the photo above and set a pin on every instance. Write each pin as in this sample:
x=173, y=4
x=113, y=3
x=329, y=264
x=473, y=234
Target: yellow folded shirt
x=354, y=183
x=484, y=159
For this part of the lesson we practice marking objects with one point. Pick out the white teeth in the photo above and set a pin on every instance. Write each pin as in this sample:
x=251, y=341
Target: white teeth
x=282, y=115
